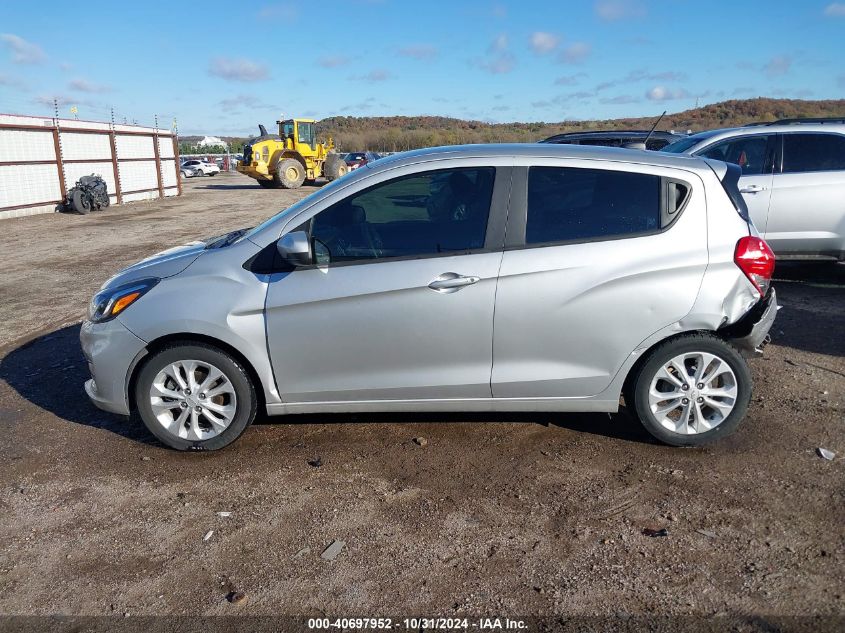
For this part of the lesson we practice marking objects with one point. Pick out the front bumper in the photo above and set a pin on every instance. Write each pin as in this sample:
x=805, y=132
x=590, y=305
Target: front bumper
x=110, y=350
x=751, y=332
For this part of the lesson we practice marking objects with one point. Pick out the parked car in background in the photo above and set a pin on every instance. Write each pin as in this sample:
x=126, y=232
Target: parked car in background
x=186, y=171
x=202, y=167
x=616, y=138
x=793, y=181
x=354, y=160
x=486, y=278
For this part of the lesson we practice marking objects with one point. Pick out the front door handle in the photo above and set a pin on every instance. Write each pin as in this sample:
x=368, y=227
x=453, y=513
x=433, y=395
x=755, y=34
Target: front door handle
x=452, y=282
x=752, y=189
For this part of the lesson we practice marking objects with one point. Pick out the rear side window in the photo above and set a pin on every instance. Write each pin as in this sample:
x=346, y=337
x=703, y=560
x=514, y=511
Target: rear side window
x=813, y=152
x=573, y=204
x=749, y=152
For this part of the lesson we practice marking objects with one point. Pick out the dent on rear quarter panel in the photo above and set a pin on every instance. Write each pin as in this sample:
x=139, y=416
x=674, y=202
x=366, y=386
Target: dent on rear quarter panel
x=726, y=294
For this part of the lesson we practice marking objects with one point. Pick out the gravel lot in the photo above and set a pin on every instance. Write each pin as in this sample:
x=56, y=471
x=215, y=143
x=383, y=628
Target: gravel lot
x=507, y=515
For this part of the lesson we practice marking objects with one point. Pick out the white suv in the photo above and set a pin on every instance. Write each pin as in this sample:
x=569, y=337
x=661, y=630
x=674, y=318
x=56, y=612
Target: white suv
x=201, y=167
x=793, y=181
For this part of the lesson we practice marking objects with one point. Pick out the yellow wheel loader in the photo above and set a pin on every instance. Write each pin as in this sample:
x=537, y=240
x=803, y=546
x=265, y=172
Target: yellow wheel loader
x=292, y=157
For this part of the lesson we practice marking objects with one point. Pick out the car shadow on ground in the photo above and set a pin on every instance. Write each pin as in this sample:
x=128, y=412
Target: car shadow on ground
x=229, y=187
x=50, y=371
x=252, y=186
x=812, y=297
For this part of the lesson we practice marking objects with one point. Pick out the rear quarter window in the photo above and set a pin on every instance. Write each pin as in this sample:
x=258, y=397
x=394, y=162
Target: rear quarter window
x=813, y=152
x=575, y=204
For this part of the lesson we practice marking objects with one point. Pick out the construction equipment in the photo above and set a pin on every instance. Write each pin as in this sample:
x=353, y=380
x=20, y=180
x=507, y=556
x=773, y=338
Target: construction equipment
x=292, y=157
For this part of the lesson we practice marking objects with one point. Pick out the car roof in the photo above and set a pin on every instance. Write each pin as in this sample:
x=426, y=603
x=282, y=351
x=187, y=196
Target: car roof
x=610, y=134
x=763, y=129
x=541, y=150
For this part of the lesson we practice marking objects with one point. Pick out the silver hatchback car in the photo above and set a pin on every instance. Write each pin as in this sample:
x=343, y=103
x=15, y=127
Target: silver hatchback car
x=477, y=278
x=793, y=181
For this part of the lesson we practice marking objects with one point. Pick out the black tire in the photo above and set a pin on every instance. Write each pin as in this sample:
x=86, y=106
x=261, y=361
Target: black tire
x=336, y=167
x=267, y=184
x=662, y=354
x=212, y=174
x=290, y=174
x=245, y=409
x=80, y=202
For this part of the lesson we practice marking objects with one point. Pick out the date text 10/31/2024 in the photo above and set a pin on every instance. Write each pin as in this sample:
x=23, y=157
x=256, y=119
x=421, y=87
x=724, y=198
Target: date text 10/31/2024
x=415, y=624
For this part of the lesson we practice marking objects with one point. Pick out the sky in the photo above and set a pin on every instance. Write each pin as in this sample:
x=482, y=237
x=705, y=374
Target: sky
x=223, y=67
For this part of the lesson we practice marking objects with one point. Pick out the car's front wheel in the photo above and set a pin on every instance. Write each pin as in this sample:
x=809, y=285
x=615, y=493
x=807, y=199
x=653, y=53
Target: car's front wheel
x=691, y=390
x=193, y=396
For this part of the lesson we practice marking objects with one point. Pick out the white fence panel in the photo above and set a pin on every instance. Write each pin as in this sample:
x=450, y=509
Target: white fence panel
x=134, y=146
x=168, y=173
x=22, y=145
x=165, y=147
x=78, y=146
x=143, y=195
x=28, y=184
x=73, y=171
x=137, y=175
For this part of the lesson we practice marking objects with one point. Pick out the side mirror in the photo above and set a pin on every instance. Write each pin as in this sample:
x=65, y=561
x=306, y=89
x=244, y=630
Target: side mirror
x=295, y=249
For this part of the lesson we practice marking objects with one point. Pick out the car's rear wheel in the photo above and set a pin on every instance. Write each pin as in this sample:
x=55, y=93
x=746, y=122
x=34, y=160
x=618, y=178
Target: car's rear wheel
x=691, y=390
x=193, y=396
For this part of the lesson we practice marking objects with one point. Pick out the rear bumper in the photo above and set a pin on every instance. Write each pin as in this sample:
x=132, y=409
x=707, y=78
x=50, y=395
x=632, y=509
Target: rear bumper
x=751, y=332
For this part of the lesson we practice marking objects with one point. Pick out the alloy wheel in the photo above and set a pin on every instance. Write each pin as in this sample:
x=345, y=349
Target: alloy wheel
x=193, y=400
x=693, y=393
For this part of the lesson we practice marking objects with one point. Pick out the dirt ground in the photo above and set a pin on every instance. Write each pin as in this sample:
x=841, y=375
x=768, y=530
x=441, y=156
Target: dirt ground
x=497, y=515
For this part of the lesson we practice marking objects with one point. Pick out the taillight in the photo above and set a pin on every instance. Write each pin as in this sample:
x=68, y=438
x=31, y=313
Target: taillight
x=757, y=261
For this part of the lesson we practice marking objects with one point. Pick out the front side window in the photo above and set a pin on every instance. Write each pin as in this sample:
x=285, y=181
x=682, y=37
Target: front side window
x=749, y=152
x=813, y=152
x=438, y=212
x=574, y=204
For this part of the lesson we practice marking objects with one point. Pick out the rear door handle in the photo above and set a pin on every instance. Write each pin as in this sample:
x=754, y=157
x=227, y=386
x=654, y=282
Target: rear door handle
x=752, y=189
x=452, y=282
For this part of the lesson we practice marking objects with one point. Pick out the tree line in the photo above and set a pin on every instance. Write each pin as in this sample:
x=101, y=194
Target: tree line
x=400, y=133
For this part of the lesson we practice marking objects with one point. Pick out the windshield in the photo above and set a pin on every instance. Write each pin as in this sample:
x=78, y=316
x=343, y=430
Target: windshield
x=355, y=156
x=681, y=146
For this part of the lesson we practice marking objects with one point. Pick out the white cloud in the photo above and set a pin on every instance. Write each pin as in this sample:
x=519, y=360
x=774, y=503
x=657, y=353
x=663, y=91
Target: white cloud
x=835, y=10
x=281, y=11
x=499, y=43
x=12, y=82
x=237, y=69
x=333, y=61
x=23, y=52
x=499, y=59
x=614, y=10
x=575, y=53
x=83, y=85
x=542, y=42
x=419, y=51
x=660, y=93
x=777, y=66
x=379, y=74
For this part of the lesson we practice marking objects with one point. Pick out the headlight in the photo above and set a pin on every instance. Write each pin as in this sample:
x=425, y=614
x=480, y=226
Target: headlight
x=107, y=304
